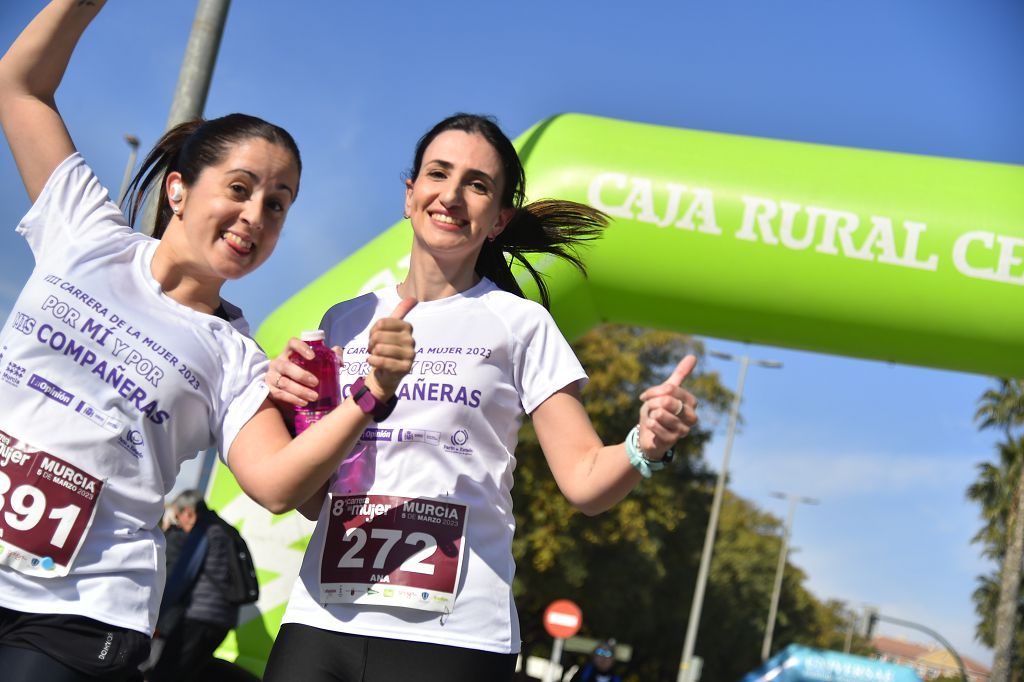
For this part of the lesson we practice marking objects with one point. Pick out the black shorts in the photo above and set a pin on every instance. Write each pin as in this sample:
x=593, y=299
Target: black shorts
x=310, y=654
x=40, y=646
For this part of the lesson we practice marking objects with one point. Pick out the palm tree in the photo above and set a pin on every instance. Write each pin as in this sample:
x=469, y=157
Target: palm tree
x=1003, y=408
x=995, y=491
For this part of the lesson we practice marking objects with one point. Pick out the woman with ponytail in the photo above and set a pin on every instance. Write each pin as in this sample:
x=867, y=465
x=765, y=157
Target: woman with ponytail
x=408, y=575
x=120, y=361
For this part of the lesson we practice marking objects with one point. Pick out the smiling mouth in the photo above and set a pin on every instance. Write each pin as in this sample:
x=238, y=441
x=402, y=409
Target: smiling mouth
x=447, y=219
x=239, y=244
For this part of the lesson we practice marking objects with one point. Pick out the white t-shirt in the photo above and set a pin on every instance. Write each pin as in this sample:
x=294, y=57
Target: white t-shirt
x=483, y=358
x=118, y=383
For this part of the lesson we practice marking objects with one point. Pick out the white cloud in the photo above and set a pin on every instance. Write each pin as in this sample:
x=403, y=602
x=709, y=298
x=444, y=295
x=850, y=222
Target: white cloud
x=846, y=475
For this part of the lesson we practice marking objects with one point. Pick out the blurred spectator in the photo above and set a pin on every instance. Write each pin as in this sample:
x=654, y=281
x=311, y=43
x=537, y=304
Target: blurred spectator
x=601, y=667
x=194, y=616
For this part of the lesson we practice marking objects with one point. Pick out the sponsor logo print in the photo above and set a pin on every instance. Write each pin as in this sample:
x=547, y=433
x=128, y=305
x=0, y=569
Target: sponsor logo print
x=94, y=415
x=50, y=389
x=459, y=439
x=131, y=440
x=419, y=436
x=377, y=435
x=13, y=373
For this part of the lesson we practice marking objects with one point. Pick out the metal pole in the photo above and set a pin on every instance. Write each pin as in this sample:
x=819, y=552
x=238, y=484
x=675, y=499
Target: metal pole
x=685, y=666
x=766, y=645
x=556, y=659
x=940, y=638
x=133, y=142
x=709, y=535
x=194, y=77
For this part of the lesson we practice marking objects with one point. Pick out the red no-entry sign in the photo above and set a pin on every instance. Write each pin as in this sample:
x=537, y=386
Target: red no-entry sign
x=562, y=618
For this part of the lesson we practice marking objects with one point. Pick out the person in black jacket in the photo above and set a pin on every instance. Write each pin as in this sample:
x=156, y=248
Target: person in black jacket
x=195, y=616
x=601, y=667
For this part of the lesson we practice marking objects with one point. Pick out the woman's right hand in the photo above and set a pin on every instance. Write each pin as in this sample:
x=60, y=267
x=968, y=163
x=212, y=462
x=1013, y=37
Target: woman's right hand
x=289, y=383
x=391, y=353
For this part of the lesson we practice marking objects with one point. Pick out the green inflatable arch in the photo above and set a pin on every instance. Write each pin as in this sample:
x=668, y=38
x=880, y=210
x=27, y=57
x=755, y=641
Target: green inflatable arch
x=894, y=257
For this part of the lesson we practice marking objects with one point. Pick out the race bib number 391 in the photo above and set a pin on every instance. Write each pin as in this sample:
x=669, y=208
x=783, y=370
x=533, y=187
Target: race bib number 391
x=392, y=551
x=46, y=508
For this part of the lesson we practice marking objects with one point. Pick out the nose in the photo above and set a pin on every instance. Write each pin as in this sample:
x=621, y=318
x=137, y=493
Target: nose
x=451, y=194
x=252, y=213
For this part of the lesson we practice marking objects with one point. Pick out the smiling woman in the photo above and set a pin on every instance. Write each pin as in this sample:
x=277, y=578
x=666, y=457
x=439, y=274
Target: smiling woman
x=102, y=415
x=240, y=175
x=409, y=571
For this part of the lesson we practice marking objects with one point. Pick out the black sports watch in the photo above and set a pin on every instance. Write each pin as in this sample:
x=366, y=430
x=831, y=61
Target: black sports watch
x=369, y=403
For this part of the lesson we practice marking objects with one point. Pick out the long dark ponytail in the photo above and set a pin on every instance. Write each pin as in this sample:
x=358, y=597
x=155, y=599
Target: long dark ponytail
x=551, y=226
x=189, y=148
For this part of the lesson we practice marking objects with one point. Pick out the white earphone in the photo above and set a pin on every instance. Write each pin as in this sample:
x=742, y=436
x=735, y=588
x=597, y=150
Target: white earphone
x=175, y=194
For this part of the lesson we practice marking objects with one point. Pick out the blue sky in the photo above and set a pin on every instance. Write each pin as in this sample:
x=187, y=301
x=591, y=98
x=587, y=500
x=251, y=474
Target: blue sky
x=889, y=450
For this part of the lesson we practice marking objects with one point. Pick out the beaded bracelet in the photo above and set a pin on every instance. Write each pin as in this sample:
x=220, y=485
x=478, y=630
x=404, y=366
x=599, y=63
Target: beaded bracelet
x=639, y=460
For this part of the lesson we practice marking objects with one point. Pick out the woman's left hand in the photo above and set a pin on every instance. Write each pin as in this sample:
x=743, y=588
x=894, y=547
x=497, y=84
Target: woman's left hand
x=668, y=412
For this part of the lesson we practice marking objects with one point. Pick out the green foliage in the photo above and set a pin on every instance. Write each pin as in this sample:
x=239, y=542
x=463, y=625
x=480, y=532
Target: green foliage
x=996, y=492
x=632, y=569
x=1003, y=407
x=999, y=494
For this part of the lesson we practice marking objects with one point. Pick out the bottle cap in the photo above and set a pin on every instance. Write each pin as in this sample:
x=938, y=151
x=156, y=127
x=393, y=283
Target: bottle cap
x=314, y=335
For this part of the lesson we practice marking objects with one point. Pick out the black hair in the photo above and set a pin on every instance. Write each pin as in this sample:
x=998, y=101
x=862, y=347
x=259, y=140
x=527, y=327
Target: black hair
x=191, y=147
x=551, y=226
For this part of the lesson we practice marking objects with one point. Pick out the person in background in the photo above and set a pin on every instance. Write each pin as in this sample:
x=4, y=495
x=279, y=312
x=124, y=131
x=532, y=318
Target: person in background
x=195, y=614
x=601, y=667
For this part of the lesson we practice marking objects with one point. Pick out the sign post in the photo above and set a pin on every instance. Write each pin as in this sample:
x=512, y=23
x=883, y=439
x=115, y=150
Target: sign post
x=562, y=619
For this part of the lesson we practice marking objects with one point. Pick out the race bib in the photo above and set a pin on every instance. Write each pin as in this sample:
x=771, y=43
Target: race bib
x=393, y=551
x=46, y=508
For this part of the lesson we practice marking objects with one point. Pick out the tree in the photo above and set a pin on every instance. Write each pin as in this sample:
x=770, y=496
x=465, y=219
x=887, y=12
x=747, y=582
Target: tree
x=1001, y=493
x=995, y=491
x=1003, y=407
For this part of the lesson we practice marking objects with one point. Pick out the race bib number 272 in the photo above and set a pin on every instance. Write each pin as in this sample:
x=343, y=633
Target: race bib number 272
x=393, y=551
x=46, y=508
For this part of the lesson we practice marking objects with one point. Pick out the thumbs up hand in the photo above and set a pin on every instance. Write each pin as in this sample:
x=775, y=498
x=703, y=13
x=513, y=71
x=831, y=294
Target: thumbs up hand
x=668, y=412
x=391, y=351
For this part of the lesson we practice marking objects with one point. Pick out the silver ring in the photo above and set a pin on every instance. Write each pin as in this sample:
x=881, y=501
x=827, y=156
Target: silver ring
x=682, y=406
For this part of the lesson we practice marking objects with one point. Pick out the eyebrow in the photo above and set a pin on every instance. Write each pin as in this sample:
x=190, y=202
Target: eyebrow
x=256, y=178
x=448, y=165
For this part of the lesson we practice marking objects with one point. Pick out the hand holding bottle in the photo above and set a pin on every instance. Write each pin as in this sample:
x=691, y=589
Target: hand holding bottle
x=391, y=352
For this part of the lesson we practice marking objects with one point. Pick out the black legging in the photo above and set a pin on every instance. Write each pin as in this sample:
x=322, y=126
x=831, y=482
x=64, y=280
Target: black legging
x=314, y=655
x=29, y=665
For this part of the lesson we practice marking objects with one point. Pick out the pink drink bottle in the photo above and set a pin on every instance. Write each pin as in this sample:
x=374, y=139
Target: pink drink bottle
x=325, y=366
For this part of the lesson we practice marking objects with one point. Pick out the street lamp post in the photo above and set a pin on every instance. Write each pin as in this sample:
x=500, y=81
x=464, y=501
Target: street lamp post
x=685, y=666
x=194, y=77
x=766, y=645
x=133, y=142
x=917, y=626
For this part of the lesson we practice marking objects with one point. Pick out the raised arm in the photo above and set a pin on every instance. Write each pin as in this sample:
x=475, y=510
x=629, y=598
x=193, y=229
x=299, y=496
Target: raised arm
x=594, y=476
x=30, y=72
